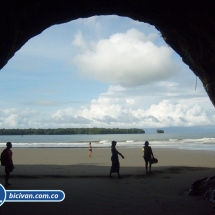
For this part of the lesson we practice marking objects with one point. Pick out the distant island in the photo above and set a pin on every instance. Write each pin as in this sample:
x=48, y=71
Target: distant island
x=68, y=131
x=160, y=131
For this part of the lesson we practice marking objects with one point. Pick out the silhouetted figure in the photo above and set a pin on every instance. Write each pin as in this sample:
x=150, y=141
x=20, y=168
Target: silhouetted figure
x=90, y=150
x=8, y=163
x=148, y=154
x=115, y=160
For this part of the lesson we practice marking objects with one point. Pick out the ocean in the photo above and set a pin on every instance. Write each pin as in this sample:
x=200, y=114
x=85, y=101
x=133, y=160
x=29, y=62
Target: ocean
x=189, y=141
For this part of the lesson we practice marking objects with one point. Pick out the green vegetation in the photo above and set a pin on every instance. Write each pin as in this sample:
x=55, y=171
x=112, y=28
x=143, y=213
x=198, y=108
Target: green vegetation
x=63, y=131
x=160, y=131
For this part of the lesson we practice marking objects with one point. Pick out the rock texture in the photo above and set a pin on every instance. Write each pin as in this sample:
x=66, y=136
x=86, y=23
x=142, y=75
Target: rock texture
x=187, y=26
x=204, y=187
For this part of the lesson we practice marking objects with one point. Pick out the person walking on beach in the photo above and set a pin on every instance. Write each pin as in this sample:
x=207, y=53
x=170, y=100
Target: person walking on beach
x=90, y=150
x=115, y=160
x=6, y=158
x=148, y=154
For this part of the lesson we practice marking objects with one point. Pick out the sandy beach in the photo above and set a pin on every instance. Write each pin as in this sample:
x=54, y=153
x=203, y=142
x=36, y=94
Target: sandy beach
x=88, y=190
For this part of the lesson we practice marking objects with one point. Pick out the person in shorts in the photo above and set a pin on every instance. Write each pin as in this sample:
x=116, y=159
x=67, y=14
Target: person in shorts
x=148, y=154
x=8, y=163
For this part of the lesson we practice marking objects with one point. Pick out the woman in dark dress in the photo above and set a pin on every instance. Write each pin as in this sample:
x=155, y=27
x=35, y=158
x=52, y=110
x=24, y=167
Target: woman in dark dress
x=148, y=154
x=115, y=160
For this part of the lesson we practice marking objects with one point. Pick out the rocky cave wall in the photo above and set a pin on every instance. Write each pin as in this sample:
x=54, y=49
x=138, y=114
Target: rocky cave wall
x=187, y=26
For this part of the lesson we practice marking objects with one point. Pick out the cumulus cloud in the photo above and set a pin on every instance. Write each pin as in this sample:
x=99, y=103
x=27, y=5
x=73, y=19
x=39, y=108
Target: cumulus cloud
x=68, y=116
x=115, y=108
x=19, y=118
x=129, y=59
x=113, y=114
x=178, y=114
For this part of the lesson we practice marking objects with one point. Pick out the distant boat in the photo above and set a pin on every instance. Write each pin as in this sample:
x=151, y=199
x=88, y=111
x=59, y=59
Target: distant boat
x=160, y=131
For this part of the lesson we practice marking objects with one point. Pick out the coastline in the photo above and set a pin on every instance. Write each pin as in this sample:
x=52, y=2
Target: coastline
x=88, y=189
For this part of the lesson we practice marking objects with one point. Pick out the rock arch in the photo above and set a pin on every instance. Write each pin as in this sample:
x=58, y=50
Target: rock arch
x=187, y=26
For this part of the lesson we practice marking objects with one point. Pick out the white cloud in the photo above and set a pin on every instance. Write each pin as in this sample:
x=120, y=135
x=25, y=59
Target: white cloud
x=118, y=107
x=112, y=113
x=17, y=118
x=178, y=114
x=129, y=59
x=79, y=41
x=115, y=110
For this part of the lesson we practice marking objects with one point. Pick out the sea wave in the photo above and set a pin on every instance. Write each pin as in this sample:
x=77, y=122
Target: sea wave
x=180, y=141
x=104, y=141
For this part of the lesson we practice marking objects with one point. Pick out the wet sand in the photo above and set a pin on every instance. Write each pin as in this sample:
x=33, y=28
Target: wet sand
x=88, y=190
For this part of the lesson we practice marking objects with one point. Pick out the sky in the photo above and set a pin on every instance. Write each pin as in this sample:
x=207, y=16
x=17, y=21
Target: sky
x=102, y=71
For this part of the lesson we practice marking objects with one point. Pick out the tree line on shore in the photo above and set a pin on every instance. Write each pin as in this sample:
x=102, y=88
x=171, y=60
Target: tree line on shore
x=64, y=131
